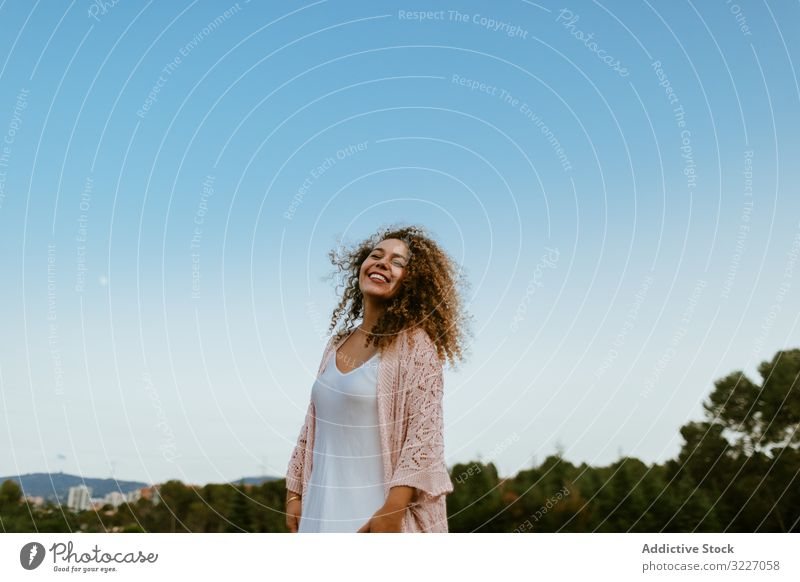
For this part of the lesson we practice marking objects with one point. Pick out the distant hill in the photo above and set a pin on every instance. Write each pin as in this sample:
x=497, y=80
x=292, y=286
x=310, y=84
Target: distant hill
x=55, y=486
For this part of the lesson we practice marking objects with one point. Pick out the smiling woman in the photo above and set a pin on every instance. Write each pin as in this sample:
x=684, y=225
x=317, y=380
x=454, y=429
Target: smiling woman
x=370, y=454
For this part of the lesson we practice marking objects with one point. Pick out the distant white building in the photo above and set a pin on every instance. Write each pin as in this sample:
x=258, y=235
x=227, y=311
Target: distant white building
x=133, y=496
x=115, y=498
x=35, y=500
x=79, y=498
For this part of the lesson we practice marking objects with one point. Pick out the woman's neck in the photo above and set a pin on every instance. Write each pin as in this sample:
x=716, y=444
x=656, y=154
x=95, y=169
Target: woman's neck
x=372, y=312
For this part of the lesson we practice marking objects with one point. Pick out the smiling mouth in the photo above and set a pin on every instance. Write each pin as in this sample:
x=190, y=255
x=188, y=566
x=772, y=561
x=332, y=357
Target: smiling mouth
x=377, y=278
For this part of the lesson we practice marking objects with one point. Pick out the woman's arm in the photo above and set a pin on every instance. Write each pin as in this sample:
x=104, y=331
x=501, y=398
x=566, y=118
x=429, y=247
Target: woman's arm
x=400, y=497
x=421, y=463
x=294, y=472
x=389, y=518
x=420, y=466
x=294, y=476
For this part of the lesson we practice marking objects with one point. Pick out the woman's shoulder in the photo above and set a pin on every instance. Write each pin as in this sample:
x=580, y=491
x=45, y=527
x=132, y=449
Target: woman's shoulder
x=418, y=340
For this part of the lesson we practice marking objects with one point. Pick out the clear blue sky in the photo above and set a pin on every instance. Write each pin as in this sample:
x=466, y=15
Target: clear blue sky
x=619, y=181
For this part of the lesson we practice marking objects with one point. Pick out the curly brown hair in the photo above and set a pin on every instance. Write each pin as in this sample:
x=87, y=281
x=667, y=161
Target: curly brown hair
x=429, y=295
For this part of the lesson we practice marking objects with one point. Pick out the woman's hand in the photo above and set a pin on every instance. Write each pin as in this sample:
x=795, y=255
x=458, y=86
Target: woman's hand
x=388, y=519
x=293, y=509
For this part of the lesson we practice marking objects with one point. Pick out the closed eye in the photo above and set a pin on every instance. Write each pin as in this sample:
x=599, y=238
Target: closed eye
x=396, y=262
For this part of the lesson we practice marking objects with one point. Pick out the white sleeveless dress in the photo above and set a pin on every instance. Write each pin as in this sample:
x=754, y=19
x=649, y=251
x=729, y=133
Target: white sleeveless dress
x=346, y=485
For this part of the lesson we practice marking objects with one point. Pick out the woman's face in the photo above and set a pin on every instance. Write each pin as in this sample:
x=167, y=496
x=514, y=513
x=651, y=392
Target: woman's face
x=384, y=269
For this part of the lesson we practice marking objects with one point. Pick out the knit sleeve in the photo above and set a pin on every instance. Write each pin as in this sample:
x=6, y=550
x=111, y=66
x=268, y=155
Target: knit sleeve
x=294, y=474
x=302, y=452
x=421, y=461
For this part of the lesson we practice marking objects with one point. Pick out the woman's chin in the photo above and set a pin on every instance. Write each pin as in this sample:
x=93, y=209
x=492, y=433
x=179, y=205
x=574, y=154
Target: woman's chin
x=372, y=293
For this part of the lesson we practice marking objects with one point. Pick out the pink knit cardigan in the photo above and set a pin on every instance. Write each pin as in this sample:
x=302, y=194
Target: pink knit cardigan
x=410, y=390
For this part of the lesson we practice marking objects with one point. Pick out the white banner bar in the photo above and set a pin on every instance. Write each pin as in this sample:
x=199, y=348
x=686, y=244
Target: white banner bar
x=401, y=557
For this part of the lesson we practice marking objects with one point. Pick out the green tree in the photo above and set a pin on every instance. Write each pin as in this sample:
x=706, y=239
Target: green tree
x=475, y=502
x=744, y=456
x=239, y=514
x=10, y=495
x=760, y=417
